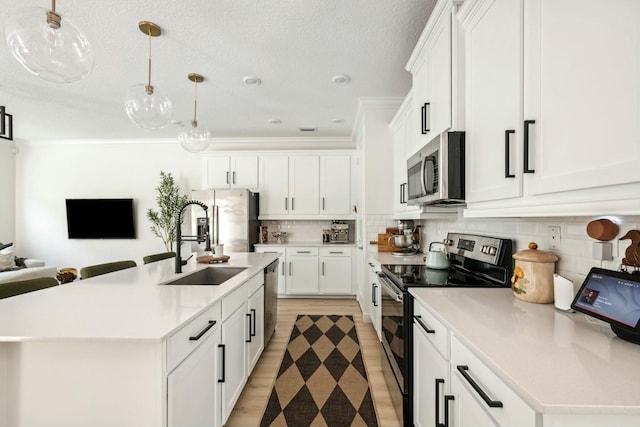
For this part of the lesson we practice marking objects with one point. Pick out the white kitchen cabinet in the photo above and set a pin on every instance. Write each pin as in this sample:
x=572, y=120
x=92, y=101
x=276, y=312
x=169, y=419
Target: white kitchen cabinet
x=335, y=190
x=335, y=270
x=541, y=139
x=304, y=185
x=376, y=297
x=224, y=172
x=274, y=185
x=193, y=391
x=493, y=84
x=234, y=349
x=477, y=389
x=401, y=125
x=302, y=270
x=431, y=371
x=255, y=328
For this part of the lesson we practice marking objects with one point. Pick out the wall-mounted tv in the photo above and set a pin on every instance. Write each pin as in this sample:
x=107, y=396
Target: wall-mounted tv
x=100, y=219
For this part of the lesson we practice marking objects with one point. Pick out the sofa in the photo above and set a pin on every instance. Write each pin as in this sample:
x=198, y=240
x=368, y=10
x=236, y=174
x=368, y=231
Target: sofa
x=28, y=268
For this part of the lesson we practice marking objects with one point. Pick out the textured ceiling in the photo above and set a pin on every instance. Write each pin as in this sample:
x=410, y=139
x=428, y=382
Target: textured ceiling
x=293, y=46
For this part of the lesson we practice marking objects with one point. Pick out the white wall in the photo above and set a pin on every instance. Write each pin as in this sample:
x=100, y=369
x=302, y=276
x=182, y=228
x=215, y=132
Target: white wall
x=47, y=173
x=7, y=191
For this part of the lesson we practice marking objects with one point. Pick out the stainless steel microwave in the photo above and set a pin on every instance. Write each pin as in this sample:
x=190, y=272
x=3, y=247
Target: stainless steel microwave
x=435, y=174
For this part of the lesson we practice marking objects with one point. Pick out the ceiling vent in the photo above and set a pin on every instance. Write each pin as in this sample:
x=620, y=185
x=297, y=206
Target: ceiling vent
x=308, y=129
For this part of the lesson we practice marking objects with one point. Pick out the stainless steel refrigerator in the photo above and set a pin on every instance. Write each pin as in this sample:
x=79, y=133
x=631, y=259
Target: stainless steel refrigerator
x=233, y=218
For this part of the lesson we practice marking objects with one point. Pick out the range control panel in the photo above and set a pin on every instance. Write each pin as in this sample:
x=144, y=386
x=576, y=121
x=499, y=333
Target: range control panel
x=482, y=248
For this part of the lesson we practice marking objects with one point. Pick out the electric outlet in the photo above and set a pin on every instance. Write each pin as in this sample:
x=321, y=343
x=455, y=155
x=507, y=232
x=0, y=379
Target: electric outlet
x=554, y=237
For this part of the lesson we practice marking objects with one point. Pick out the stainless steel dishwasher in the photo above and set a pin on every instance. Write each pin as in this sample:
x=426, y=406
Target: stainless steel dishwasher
x=270, y=300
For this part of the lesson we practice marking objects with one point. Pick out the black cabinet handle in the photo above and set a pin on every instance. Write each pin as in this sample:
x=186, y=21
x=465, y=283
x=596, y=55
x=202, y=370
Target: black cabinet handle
x=204, y=331
x=233, y=181
x=227, y=177
x=249, y=323
x=253, y=321
x=425, y=125
x=507, y=153
x=224, y=367
x=423, y=325
x=491, y=403
x=438, y=382
x=373, y=295
x=448, y=398
x=527, y=123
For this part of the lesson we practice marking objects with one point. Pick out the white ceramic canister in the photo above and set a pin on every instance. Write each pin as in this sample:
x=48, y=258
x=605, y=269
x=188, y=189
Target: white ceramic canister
x=532, y=278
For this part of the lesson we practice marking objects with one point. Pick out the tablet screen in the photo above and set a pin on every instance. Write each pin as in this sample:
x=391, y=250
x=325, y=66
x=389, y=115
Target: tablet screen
x=610, y=296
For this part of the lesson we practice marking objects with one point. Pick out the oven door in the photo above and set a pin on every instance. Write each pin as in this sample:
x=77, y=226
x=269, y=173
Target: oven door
x=393, y=329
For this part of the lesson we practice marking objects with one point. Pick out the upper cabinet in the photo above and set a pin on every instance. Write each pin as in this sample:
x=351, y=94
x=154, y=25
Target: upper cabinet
x=552, y=106
x=433, y=65
x=402, y=133
x=305, y=186
x=224, y=172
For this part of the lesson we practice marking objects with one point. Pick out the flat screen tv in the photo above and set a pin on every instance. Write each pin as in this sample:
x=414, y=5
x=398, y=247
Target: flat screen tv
x=100, y=219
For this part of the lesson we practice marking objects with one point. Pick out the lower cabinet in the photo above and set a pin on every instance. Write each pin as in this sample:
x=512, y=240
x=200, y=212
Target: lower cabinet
x=234, y=369
x=375, y=309
x=335, y=271
x=255, y=328
x=192, y=388
x=302, y=271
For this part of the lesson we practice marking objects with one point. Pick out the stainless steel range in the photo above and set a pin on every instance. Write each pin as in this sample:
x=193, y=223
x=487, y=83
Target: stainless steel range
x=475, y=261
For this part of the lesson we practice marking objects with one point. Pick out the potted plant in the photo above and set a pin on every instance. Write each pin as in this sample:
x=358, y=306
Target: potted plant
x=169, y=202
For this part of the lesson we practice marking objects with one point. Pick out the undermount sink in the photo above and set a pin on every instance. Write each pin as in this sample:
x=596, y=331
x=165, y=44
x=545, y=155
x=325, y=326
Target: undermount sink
x=208, y=276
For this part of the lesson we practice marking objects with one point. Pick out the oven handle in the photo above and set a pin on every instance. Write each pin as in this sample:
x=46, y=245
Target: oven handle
x=391, y=289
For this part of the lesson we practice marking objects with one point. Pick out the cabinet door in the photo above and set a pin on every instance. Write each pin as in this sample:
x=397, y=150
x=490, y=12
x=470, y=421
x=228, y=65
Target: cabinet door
x=430, y=381
x=274, y=185
x=244, y=172
x=335, y=275
x=234, y=376
x=493, y=83
x=302, y=277
x=465, y=410
x=438, y=65
x=335, y=176
x=582, y=89
x=217, y=174
x=304, y=185
x=255, y=329
x=193, y=389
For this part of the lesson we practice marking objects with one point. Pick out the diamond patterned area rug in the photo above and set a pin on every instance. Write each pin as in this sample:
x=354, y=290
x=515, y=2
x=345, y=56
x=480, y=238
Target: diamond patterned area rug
x=322, y=380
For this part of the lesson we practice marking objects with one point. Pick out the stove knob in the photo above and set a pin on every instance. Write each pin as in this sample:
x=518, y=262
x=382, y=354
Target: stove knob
x=448, y=242
x=493, y=250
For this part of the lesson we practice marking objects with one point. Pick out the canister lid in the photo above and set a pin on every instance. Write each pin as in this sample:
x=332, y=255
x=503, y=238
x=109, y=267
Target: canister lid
x=534, y=255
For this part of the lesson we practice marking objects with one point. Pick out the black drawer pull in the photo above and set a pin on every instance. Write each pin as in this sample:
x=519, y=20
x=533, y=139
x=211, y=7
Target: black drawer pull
x=438, y=382
x=491, y=403
x=253, y=322
x=425, y=125
x=249, y=324
x=204, y=331
x=447, y=398
x=424, y=325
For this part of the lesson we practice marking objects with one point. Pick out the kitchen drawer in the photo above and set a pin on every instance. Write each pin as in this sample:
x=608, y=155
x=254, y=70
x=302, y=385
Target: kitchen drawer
x=514, y=411
x=433, y=329
x=271, y=249
x=335, y=251
x=255, y=283
x=302, y=251
x=179, y=345
x=235, y=299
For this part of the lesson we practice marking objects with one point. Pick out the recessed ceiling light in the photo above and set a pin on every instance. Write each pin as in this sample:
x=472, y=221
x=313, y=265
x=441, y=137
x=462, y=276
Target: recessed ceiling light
x=251, y=80
x=275, y=121
x=341, y=79
x=337, y=120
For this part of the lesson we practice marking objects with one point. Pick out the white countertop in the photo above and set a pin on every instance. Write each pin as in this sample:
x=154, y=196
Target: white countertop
x=388, y=258
x=130, y=304
x=559, y=363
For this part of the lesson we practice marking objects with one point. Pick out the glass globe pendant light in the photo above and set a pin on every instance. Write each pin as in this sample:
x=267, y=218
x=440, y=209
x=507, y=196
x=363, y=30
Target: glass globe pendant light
x=147, y=105
x=46, y=46
x=195, y=139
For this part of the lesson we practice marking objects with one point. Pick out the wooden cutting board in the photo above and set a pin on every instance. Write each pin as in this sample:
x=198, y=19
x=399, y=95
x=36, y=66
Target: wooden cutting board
x=384, y=245
x=210, y=259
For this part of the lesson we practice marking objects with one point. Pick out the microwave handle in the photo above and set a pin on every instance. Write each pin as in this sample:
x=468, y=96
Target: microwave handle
x=423, y=166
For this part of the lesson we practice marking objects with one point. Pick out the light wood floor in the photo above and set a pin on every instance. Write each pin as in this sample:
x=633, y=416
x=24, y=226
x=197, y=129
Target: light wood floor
x=251, y=404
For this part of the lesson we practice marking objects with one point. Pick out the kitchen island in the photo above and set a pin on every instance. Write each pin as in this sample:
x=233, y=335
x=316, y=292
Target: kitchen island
x=556, y=368
x=102, y=351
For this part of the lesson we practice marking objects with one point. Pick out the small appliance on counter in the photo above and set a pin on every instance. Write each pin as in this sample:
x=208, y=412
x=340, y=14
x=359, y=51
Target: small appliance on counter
x=406, y=241
x=339, y=232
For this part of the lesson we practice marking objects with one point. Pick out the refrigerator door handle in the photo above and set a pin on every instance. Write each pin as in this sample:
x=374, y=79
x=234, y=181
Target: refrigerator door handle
x=216, y=226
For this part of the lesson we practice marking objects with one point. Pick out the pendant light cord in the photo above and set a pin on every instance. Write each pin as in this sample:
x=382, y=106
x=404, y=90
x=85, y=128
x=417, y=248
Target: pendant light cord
x=195, y=105
x=53, y=6
x=149, y=88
